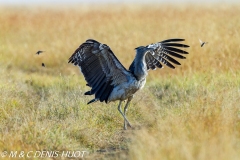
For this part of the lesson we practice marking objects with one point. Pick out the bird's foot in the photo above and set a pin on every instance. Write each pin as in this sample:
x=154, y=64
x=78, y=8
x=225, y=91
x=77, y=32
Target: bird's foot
x=126, y=124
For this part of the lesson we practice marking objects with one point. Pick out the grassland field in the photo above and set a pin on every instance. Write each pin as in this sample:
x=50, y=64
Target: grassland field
x=189, y=113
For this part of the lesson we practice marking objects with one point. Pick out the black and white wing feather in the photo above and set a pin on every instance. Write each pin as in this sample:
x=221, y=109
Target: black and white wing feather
x=164, y=52
x=100, y=67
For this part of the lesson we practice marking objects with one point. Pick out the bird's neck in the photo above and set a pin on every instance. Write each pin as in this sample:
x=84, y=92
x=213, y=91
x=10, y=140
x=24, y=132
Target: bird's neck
x=140, y=67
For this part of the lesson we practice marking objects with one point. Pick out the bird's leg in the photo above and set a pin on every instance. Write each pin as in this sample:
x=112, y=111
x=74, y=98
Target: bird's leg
x=125, y=110
x=120, y=110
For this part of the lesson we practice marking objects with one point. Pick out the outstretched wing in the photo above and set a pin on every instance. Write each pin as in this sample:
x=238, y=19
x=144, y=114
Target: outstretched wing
x=100, y=67
x=165, y=52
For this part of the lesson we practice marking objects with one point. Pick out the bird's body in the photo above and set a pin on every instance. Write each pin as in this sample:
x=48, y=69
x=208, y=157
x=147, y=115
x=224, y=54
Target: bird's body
x=127, y=89
x=110, y=80
x=202, y=43
x=136, y=80
x=39, y=52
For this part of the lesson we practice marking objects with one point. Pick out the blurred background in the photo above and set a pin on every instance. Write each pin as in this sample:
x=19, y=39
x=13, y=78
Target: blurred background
x=191, y=112
x=110, y=1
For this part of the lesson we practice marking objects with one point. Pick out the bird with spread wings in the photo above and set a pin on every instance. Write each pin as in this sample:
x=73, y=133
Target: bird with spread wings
x=110, y=81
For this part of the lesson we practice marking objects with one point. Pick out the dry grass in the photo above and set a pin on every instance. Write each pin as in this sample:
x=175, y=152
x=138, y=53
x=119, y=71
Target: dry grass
x=191, y=112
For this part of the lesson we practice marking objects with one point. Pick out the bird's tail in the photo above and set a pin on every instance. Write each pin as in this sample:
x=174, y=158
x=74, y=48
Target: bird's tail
x=93, y=100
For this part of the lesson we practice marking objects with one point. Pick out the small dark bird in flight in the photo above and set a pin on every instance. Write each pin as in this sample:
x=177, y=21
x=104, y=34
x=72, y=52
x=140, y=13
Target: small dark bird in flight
x=43, y=65
x=202, y=43
x=39, y=52
x=110, y=81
